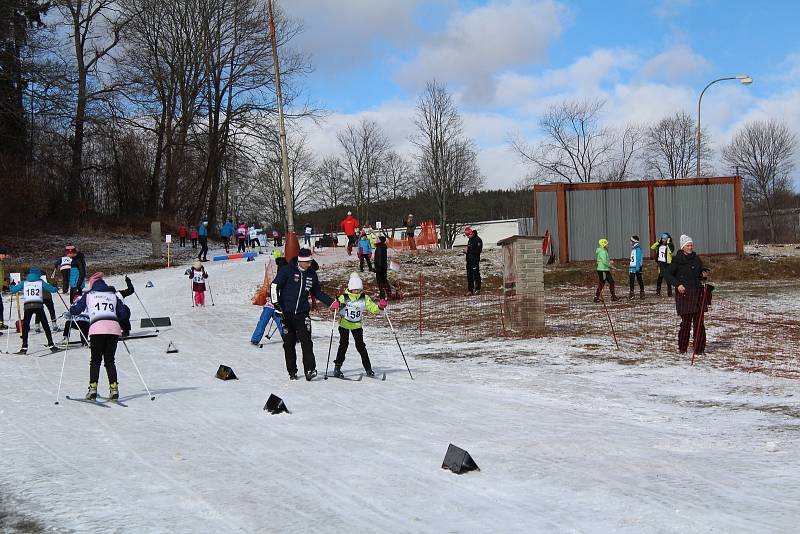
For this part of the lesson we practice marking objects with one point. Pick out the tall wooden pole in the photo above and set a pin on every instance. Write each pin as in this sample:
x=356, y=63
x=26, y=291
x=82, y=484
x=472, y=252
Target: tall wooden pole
x=292, y=245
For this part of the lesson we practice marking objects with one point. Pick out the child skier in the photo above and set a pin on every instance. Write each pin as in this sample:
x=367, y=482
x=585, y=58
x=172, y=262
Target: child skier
x=33, y=289
x=604, y=271
x=64, y=264
x=48, y=303
x=364, y=251
x=105, y=310
x=352, y=305
x=664, y=249
x=182, y=235
x=193, y=236
x=241, y=238
x=635, y=268
x=197, y=274
x=77, y=272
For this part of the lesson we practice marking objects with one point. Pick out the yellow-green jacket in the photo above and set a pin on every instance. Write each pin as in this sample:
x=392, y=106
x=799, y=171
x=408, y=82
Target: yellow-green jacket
x=669, y=246
x=352, y=308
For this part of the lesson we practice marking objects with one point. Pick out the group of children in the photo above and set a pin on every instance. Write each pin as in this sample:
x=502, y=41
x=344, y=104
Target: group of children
x=663, y=248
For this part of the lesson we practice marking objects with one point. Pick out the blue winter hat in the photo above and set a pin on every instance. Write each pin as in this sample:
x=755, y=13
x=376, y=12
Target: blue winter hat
x=35, y=271
x=665, y=236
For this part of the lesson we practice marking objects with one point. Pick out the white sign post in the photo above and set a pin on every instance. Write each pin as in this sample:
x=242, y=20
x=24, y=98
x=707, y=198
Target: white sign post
x=169, y=240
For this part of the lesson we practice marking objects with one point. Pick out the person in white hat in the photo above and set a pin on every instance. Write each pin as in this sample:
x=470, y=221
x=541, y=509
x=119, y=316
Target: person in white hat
x=687, y=274
x=352, y=305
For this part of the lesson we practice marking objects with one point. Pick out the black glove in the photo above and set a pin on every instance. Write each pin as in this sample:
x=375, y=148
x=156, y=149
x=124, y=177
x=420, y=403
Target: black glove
x=188, y=272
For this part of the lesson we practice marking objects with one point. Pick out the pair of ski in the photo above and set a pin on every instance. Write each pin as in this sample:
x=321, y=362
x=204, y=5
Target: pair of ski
x=104, y=403
x=54, y=350
x=381, y=377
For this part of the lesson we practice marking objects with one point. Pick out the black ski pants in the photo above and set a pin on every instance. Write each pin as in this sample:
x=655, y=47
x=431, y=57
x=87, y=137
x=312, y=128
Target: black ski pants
x=240, y=247
x=203, y=248
x=183, y=241
x=297, y=326
x=361, y=347
x=361, y=259
x=473, y=273
x=604, y=277
x=103, y=348
x=26, y=324
x=83, y=327
x=634, y=277
x=660, y=279
x=65, y=281
x=194, y=242
x=48, y=303
x=382, y=280
x=227, y=242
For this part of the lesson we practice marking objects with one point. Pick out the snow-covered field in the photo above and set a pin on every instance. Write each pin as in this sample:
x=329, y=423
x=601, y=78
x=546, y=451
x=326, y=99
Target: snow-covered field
x=566, y=441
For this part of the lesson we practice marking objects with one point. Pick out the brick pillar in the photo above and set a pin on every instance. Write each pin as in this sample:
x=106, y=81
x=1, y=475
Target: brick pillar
x=523, y=283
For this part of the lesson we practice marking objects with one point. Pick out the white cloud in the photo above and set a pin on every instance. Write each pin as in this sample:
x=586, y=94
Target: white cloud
x=345, y=34
x=674, y=64
x=486, y=40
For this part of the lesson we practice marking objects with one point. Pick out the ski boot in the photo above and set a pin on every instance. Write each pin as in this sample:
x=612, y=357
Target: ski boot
x=92, y=393
x=54, y=327
x=38, y=329
x=292, y=376
x=23, y=350
x=3, y=326
x=597, y=299
x=113, y=391
x=370, y=373
x=337, y=372
x=641, y=295
x=311, y=374
x=52, y=346
x=630, y=295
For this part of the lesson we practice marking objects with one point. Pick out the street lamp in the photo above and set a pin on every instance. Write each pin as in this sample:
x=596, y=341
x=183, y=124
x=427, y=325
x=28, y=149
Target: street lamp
x=745, y=79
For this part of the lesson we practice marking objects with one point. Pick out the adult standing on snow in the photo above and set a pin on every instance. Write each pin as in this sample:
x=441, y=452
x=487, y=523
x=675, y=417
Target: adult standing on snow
x=33, y=290
x=664, y=249
x=411, y=227
x=635, y=267
x=382, y=267
x=106, y=311
x=182, y=235
x=687, y=274
x=226, y=233
x=473, y=252
x=349, y=225
x=203, y=235
x=604, y=271
x=289, y=292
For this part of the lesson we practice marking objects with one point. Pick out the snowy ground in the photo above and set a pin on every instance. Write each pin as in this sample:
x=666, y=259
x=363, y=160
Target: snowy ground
x=567, y=441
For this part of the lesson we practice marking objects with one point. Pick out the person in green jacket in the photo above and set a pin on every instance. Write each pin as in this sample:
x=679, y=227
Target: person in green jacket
x=352, y=305
x=604, y=271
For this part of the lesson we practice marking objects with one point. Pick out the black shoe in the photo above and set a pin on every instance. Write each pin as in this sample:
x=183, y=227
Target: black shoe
x=292, y=376
x=337, y=372
x=597, y=299
x=311, y=374
x=370, y=372
x=630, y=297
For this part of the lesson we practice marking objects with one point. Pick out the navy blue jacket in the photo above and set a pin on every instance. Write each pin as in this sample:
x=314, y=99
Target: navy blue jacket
x=291, y=287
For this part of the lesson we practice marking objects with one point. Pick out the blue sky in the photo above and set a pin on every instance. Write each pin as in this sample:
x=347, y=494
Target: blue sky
x=506, y=60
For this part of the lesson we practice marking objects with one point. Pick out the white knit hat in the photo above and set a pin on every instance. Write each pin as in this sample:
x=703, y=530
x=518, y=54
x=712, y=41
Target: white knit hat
x=685, y=240
x=355, y=283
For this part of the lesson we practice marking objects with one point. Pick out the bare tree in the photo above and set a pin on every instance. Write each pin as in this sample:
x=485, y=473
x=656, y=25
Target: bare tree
x=447, y=161
x=576, y=147
x=763, y=152
x=627, y=144
x=365, y=147
x=398, y=177
x=94, y=27
x=330, y=182
x=670, y=151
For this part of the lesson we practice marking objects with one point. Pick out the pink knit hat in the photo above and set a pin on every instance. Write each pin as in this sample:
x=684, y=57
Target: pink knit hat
x=95, y=277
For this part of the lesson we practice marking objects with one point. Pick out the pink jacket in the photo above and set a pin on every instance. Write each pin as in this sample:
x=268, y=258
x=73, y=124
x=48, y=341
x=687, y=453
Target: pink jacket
x=105, y=327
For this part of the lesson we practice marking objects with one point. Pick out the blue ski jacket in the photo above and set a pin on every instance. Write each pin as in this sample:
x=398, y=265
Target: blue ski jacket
x=636, y=259
x=290, y=289
x=227, y=230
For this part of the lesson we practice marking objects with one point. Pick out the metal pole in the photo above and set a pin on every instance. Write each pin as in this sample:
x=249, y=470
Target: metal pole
x=699, y=101
x=292, y=246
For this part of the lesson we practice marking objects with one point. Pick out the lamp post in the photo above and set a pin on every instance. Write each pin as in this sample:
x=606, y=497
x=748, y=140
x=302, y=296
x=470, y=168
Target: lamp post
x=292, y=245
x=743, y=78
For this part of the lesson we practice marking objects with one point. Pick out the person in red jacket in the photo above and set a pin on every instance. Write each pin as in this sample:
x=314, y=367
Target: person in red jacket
x=349, y=225
x=182, y=235
x=193, y=236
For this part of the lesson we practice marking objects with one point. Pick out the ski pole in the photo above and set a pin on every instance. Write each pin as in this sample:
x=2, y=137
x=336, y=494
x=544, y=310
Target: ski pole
x=611, y=324
x=270, y=330
x=398, y=343
x=211, y=293
x=152, y=398
x=63, y=363
x=145, y=310
x=700, y=326
x=330, y=346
